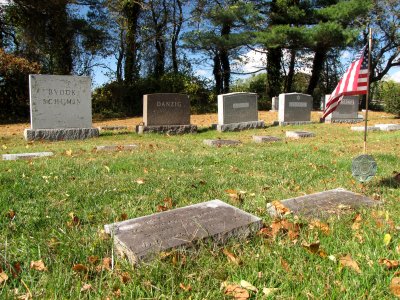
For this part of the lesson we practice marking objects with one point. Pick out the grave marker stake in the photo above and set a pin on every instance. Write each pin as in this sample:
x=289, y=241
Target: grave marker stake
x=368, y=86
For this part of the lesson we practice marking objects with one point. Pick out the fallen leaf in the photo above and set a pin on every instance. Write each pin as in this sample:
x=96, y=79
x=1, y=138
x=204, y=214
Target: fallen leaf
x=395, y=286
x=311, y=247
x=75, y=221
x=285, y=265
x=38, y=265
x=107, y=263
x=16, y=269
x=390, y=264
x=86, y=287
x=280, y=208
x=11, y=214
x=248, y=286
x=93, y=259
x=232, y=257
x=186, y=288
x=123, y=217
x=347, y=261
x=139, y=181
x=68, y=152
x=125, y=277
x=167, y=205
x=321, y=226
x=237, y=292
x=235, y=195
x=80, y=268
x=3, y=277
x=269, y=291
x=387, y=238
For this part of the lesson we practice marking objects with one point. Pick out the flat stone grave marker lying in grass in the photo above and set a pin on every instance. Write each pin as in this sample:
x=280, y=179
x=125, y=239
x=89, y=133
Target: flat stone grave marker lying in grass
x=219, y=143
x=60, y=108
x=299, y=134
x=116, y=147
x=141, y=238
x=265, y=138
x=26, y=155
x=238, y=111
x=388, y=127
x=361, y=128
x=166, y=113
x=294, y=108
x=112, y=128
x=323, y=204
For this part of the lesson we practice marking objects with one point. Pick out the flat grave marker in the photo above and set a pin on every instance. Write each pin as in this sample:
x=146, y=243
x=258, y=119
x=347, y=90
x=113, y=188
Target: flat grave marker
x=299, y=134
x=142, y=238
x=112, y=128
x=294, y=108
x=166, y=113
x=26, y=155
x=265, y=138
x=219, y=143
x=238, y=111
x=362, y=128
x=388, y=127
x=116, y=147
x=60, y=108
x=346, y=111
x=324, y=204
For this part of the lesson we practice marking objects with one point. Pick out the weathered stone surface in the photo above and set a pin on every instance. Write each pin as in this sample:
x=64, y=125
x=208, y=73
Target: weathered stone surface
x=167, y=129
x=388, y=127
x=294, y=108
x=240, y=126
x=323, y=204
x=276, y=123
x=362, y=128
x=60, y=134
x=26, y=155
x=275, y=104
x=139, y=239
x=60, y=101
x=346, y=111
x=116, y=147
x=219, y=143
x=166, y=109
x=299, y=134
x=111, y=128
x=237, y=108
x=265, y=138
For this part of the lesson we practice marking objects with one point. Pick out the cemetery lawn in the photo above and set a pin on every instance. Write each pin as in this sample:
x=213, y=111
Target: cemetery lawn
x=53, y=246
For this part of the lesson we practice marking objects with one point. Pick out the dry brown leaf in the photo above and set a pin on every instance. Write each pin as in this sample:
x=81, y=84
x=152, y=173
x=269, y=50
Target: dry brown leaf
x=107, y=263
x=11, y=214
x=186, y=288
x=237, y=292
x=16, y=269
x=167, y=205
x=248, y=286
x=285, y=265
x=68, y=152
x=139, y=181
x=234, y=195
x=86, y=287
x=395, y=286
x=311, y=247
x=80, y=268
x=390, y=264
x=38, y=265
x=269, y=291
x=280, y=208
x=232, y=257
x=123, y=217
x=125, y=277
x=321, y=226
x=93, y=259
x=347, y=261
x=3, y=277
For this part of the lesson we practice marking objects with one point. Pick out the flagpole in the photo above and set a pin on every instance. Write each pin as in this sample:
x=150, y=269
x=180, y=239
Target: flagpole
x=367, y=95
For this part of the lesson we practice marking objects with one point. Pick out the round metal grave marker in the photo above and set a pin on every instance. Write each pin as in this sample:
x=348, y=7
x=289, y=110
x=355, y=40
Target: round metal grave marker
x=364, y=167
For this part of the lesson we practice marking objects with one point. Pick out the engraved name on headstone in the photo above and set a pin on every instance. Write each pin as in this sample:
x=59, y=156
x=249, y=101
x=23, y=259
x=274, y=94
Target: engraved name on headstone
x=294, y=108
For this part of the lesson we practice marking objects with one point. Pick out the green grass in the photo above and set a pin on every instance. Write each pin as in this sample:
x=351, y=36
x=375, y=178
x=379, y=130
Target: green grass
x=99, y=187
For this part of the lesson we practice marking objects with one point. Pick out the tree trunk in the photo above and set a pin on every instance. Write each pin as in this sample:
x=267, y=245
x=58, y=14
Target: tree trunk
x=224, y=58
x=290, y=76
x=121, y=54
x=274, y=57
x=159, y=67
x=175, y=35
x=318, y=65
x=217, y=74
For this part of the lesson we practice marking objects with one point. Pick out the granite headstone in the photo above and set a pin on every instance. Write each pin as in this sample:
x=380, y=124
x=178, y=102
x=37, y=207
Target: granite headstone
x=346, y=111
x=294, y=108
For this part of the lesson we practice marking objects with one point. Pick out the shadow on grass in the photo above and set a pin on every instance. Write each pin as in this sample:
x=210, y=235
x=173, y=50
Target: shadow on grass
x=110, y=133
x=389, y=182
x=204, y=129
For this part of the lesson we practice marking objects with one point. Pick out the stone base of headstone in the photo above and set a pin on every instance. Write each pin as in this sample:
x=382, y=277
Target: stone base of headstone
x=219, y=143
x=116, y=148
x=324, y=204
x=142, y=238
x=240, y=126
x=362, y=128
x=299, y=134
x=26, y=155
x=61, y=134
x=345, y=121
x=276, y=123
x=388, y=127
x=113, y=128
x=168, y=129
x=265, y=139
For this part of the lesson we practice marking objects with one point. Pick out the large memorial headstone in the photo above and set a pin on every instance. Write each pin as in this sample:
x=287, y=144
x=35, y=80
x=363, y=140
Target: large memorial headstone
x=346, y=112
x=60, y=107
x=238, y=111
x=324, y=204
x=140, y=238
x=166, y=113
x=294, y=108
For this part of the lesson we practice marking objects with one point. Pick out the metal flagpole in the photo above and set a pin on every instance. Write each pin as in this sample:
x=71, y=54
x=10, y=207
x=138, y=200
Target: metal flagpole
x=367, y=95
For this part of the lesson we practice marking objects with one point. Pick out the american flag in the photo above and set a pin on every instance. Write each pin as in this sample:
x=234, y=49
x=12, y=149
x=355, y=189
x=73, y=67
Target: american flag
x=353, y=82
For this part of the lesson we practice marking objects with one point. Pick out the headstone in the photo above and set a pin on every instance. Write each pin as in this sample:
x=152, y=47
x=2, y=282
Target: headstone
x=116, y=147
x=238, y=111
x=294, y=108
x=275, y=104
x=112, y=128
x=166, y=113
x=346, y=111
x=26, y=155
x=322, y=104
x=265, y=138
x=323, y=204
x=299, y=134
x=60, y=107
x=388, y=127
x=140, y=238
x=219, y=143
x=362, y=128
